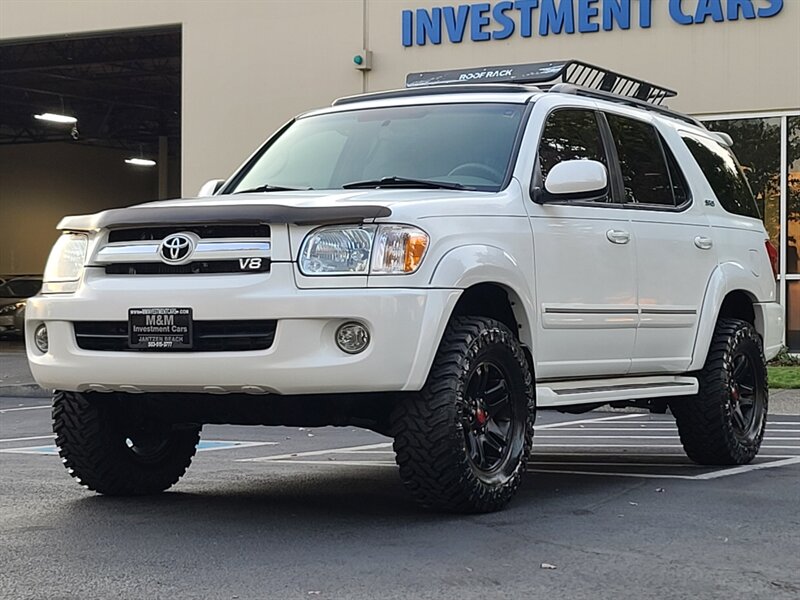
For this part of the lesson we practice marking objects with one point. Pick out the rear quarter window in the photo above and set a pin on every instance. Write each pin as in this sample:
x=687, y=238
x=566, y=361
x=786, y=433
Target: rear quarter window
x=724, y=175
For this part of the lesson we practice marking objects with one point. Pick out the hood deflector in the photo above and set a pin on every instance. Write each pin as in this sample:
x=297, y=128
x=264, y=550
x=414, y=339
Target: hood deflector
x=120, y=218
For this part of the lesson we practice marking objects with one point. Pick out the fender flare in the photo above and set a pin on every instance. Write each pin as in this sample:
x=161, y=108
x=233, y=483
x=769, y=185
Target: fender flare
x=465, y=266
x=726, y=278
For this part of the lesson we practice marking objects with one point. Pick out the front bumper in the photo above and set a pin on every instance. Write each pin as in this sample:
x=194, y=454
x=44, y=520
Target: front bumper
x=405, y=327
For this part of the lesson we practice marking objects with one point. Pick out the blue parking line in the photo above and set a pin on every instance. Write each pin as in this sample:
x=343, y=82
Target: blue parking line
x=203, y=446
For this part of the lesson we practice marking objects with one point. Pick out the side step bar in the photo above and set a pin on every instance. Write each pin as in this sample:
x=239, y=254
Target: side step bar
x=588, y=391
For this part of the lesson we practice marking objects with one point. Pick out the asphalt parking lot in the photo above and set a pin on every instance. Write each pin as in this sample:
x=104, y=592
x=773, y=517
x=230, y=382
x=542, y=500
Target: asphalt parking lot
x=611, y=508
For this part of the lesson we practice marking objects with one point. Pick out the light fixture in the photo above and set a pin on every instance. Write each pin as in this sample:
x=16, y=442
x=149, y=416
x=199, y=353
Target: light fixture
x=54, y=118
x=141, y=162
x=352, y=337
x=40, y=339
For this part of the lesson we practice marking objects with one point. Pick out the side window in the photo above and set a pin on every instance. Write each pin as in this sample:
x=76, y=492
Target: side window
x=724, y=175
x=645, y=173
x=680, y=188
x=571, y=134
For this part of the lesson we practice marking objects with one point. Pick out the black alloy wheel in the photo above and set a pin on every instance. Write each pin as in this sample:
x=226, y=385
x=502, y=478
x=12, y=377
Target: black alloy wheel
x=489, y=421
x=724, y=423
x=463, y=441
x=747, y=397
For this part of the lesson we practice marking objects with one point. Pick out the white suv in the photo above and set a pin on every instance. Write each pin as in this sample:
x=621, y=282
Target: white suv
x=433, y=263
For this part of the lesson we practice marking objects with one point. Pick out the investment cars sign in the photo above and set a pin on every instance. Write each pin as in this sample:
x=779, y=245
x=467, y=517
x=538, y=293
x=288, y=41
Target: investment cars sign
x=486, y=21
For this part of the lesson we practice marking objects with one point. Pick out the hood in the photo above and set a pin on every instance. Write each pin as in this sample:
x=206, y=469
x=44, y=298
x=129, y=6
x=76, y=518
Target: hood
x=302, y=208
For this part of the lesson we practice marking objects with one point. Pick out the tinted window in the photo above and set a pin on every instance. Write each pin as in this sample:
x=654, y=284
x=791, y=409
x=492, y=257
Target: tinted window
x=680, y=189
x=645, y=176
x=570, y=135
x=467, y=144
x=724, y=175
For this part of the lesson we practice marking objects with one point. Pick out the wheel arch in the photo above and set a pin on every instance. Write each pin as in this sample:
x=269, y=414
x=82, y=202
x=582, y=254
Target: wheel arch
x=492, y=285
x=732, y=292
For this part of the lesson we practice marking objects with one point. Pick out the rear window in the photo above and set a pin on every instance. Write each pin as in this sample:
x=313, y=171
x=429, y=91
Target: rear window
x=724, y=175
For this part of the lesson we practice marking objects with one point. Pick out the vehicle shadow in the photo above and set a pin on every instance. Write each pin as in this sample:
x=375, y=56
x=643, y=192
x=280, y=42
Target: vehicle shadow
x=326, y=497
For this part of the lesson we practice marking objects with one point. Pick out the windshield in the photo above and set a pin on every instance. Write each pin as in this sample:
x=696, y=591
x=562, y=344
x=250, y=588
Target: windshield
x=20, y=288
x=467, y=145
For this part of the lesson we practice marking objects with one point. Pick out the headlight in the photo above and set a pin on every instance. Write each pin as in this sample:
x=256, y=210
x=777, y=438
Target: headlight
x=362, y=250
x=65, y=264
x=337, y=251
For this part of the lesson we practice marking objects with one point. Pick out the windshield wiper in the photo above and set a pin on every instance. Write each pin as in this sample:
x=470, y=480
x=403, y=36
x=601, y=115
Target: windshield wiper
x=271, y=188
x=403, y=182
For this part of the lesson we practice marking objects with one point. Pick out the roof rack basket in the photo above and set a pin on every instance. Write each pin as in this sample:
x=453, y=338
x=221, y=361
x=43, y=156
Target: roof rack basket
x=574, y=72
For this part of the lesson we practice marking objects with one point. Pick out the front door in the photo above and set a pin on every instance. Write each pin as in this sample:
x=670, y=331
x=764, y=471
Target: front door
x=585, y=263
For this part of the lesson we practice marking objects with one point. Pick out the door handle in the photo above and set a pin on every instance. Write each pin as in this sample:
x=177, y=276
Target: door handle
x=703, y=243
x=618, y=236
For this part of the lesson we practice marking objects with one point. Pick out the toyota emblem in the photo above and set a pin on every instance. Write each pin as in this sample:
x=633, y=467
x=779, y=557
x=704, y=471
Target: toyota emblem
x=177, y=248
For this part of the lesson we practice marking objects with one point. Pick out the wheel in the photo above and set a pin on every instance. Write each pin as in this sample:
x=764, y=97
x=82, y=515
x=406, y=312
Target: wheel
x=724, y=424
x=462, y=443
x=112, y=453
x=479, y=169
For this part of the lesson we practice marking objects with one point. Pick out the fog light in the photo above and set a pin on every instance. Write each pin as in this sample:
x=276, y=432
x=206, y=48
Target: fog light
x=352, y=337
x=40, y=338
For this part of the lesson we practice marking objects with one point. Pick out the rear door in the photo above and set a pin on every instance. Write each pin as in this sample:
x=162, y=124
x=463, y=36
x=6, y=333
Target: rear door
x=676, y=252
x=585, y=265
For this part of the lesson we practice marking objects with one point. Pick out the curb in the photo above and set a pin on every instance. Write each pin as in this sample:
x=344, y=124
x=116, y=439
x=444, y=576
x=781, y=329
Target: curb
x=23, y=390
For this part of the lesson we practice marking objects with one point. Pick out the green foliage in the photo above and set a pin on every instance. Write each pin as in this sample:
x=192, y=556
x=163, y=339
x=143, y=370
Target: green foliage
x=784, y=377
x=784, y=359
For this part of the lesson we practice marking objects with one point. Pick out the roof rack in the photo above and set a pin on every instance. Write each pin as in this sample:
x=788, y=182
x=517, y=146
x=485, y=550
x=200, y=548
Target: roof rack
x=568, y=88
x=573, y=72
x=498, y=88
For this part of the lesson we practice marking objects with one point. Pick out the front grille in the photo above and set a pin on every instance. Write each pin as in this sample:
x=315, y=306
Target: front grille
x=208, y=336
x=138, y=234
x=158, y=268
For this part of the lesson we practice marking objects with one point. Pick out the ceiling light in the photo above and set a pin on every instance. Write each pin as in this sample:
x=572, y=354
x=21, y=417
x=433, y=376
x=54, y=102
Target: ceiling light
x=141, y=162
x=54, y=118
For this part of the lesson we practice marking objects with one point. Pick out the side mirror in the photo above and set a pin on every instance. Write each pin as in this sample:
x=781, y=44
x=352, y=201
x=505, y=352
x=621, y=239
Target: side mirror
x=210, y=187
x=575, y=179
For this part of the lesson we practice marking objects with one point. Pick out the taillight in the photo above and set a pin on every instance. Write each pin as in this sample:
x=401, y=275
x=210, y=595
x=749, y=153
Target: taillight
x=772, y=252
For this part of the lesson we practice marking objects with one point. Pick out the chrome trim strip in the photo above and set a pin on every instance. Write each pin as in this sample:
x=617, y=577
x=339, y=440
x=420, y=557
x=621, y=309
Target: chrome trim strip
x=592, y=311
x=132, y=252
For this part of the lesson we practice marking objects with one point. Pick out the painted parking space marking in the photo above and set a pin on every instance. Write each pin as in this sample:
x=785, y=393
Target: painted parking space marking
x=638, y=448
x=295, y=455
x=7, y=410
x=203, y=446
x=28, y=438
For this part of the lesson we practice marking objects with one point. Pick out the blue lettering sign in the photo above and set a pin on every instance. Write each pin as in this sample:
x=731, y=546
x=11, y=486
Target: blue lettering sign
x=773, y=9
x=587, y=10
x=506, y=23
x=745, y=6
x=500, y=20
x=556, y=18
x=429, y=26
x=619, y=11
x=677, y=14
x=455, y=21
x=706, y=8
x=525, y=8
x=478, y=21
x=408, y=26
x=645, y=13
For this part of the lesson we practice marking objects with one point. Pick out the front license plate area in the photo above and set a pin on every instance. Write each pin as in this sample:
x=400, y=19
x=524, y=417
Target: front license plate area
x=160, y=328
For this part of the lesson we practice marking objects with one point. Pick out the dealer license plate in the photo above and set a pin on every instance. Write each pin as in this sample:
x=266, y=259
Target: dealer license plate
x=160, y=328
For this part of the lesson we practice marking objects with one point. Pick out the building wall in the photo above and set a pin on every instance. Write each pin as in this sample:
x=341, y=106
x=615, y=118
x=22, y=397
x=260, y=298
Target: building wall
x=249, y=66
x=40, y=183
